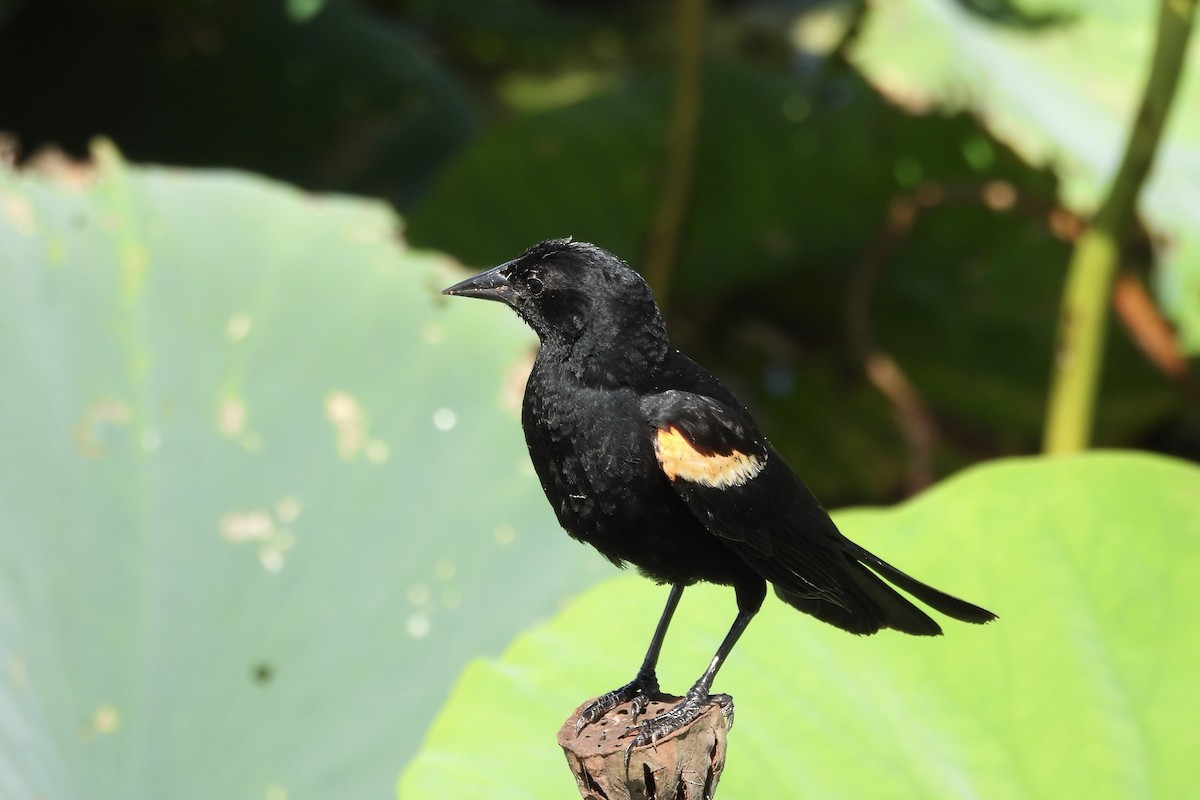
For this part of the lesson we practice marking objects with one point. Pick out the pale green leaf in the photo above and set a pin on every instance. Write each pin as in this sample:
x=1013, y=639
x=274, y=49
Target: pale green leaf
x=1084, y=687
x=245, y=446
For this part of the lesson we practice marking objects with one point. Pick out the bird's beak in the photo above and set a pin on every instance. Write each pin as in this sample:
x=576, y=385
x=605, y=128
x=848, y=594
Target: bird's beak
x=490, y=285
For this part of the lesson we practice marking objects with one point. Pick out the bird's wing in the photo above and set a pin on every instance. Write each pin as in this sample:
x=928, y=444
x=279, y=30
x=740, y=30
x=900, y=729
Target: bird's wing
x=722, y=467
x=703, y=442
x=743, y=492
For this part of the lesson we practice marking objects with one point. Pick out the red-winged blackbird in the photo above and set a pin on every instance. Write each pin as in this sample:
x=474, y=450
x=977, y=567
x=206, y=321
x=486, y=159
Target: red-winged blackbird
x=651, y=460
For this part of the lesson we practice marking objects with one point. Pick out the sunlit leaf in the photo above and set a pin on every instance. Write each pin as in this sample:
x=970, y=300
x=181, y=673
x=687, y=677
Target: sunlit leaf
x=1084, y=687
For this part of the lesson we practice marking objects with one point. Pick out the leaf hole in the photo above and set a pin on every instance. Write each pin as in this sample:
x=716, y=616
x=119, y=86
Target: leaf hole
x=262, y=673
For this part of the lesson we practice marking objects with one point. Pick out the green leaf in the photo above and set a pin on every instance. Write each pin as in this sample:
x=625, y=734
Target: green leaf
x=1084, y=687
x=1065, y=96
x=260, y=491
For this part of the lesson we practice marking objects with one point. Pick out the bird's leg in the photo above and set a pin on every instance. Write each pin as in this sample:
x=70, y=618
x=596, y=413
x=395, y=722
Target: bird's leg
x=645, y=683
x=750, y=599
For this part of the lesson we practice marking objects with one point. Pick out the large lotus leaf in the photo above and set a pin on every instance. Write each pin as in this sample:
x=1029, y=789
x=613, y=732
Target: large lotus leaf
x=261, y=495
x=1063, y=95
x=1085, y=686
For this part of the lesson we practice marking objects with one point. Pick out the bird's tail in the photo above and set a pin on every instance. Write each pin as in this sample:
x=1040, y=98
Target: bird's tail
x=866, y=603
x=949, y=605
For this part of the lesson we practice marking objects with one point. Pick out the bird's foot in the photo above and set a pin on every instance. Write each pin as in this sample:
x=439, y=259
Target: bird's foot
x=637, y=693
x=685, y=712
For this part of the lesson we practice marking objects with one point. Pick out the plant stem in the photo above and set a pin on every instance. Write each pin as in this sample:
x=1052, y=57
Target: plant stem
x=662, y=243
x=1084, y=312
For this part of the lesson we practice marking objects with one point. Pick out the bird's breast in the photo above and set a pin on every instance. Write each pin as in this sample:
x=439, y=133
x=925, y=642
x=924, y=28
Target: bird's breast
x=592, y=453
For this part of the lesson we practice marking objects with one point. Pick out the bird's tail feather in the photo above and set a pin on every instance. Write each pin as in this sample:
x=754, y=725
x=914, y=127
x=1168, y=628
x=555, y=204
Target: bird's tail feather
x=866, y=605
x=940, y=601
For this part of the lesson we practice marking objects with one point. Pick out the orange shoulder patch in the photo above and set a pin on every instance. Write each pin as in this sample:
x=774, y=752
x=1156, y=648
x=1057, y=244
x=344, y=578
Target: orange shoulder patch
x=680, y=459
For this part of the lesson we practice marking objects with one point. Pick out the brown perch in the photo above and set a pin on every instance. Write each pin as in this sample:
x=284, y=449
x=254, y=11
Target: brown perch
x=684, y=765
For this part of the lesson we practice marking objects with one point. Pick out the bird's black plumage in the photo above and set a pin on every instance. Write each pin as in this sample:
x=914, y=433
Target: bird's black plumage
x=648, y=458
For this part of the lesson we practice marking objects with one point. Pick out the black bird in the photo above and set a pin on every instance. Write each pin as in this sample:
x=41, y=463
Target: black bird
x=651, y=460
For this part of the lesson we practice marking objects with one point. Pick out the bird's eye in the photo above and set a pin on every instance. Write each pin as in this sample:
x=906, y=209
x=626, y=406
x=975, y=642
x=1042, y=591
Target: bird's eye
x=534, y=285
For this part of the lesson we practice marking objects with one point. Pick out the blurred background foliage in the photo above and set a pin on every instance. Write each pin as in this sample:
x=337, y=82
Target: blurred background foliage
x=876, y=198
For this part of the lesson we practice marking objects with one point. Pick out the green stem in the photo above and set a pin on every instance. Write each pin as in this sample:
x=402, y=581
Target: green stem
x=1084, y=312
x=662, y=243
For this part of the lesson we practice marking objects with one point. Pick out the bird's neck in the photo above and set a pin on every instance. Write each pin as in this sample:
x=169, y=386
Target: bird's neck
x=610, y=356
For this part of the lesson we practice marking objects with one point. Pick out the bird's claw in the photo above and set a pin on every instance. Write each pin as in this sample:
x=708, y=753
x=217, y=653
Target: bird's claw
x=690, y=708
x=637, y=693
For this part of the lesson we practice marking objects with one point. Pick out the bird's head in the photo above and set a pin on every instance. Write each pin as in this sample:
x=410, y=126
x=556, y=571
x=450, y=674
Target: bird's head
x=577, y=297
